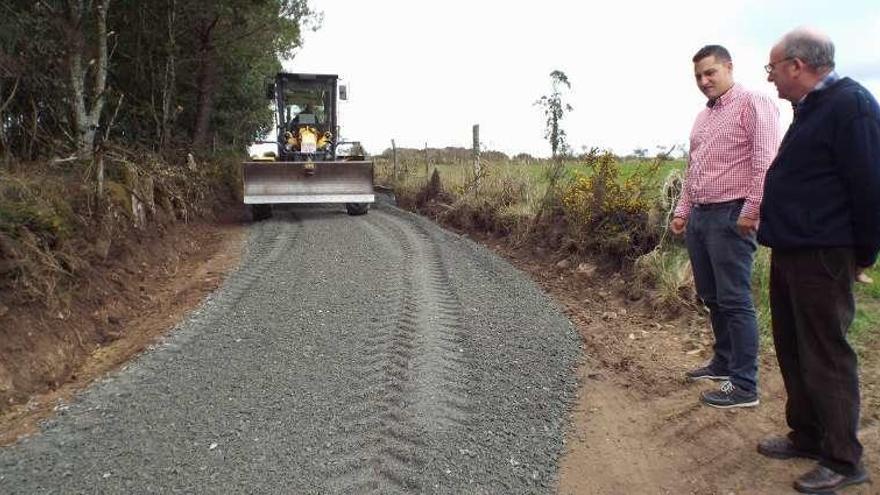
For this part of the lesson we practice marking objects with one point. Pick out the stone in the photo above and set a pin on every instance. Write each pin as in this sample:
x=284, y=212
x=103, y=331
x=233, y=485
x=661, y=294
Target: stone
x=586, y=270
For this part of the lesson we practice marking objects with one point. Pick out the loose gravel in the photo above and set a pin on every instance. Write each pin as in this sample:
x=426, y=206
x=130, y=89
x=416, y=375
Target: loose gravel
x=371, y=354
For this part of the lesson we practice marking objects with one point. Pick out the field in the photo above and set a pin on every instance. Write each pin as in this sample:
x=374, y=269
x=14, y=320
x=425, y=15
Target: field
x=514, y=190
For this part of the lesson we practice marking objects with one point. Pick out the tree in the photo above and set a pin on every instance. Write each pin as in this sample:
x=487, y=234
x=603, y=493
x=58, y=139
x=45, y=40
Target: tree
x=34, y=82
x=190, y=72
x=554, y=110
x=195, y=70
x=247, y=29
x=664, y=153
x=87, y=61
x=640, y=153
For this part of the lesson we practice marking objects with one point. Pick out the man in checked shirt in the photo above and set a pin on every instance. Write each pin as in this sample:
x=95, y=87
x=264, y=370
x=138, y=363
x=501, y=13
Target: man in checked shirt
x=732, y=143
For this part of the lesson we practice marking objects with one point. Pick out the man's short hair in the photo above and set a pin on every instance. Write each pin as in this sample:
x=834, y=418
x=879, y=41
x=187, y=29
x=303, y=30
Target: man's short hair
x=719, y=52
x=815, y=50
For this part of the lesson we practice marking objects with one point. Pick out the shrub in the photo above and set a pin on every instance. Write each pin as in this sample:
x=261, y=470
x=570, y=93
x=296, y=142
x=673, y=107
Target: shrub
x=665, y=275
x=610, y=216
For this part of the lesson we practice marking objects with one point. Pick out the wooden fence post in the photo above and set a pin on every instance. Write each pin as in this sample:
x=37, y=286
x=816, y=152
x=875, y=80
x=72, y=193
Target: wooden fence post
x=476, y=148
x=394, y=161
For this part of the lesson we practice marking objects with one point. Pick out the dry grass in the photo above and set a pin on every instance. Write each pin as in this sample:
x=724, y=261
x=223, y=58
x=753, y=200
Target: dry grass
x=620, y=219
x=53, y=225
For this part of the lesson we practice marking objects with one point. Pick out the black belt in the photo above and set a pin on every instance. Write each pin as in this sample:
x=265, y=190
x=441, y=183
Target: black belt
x=723, y=204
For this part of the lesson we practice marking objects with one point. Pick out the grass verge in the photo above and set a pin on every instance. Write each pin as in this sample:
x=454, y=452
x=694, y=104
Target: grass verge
x=598, y=210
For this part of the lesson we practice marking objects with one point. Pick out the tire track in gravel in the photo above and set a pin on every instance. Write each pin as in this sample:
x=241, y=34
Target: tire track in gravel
x=266, y=244
x=411, y=368
x=374, y=354
x=431, y=320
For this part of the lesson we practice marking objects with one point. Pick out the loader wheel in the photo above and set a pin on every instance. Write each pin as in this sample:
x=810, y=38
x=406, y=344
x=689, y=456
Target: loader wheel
x=261, y=212
x=357, y=208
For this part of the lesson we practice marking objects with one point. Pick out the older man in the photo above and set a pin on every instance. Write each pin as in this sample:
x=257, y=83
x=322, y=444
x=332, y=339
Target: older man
x=732, y=143
x=821, y=217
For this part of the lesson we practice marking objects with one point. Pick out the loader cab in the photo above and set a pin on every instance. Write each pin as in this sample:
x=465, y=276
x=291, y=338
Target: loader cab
x=306, y=114
x=306, y=105
x=308, y=167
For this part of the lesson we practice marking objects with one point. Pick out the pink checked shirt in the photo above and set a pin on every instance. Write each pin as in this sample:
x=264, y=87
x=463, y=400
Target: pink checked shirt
x=732, y=146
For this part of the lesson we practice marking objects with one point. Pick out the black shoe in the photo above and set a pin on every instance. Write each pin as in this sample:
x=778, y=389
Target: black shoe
x=729, y=397
x=705, y=373
x=781, y=447
x=824, y=480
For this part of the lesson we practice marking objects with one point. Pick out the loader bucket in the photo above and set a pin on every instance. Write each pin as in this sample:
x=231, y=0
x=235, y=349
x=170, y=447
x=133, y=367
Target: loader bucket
x=308, y=182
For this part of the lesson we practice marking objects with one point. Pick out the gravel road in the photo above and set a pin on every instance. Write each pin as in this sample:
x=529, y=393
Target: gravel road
x=373, y=354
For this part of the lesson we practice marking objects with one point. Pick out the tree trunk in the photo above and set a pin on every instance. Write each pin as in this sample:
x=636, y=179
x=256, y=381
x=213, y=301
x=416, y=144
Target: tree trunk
x=35, y=127
x=76, y=46
x=169, y=81
x=86, y=111
x=207, y=80
x=100, y=83
x=207, y=84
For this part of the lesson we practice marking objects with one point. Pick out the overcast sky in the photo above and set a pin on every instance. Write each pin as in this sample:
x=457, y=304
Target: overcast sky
x=425, y=72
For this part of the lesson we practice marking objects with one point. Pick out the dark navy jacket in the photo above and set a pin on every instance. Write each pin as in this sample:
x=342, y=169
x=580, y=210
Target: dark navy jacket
x=823, y=188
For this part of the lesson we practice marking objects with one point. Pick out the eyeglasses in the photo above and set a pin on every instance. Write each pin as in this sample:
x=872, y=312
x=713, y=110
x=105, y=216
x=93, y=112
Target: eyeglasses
x=772, y=65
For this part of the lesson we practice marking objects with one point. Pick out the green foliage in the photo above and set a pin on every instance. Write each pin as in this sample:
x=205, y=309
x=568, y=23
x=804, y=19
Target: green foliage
x=761, y=292
x=39, y=208
x=871, y=291
x=33, y=217
x=177, y=69
x=32, y=81
x=867, y=320
x=610, y=214
x=203, y=63
x=554, y=110
x=866, y=323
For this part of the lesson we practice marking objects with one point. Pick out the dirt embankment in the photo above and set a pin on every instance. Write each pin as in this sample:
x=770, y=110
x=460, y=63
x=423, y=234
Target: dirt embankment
x=117, y=309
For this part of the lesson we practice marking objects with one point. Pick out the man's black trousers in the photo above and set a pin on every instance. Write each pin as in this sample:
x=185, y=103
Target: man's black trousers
x=812, y=305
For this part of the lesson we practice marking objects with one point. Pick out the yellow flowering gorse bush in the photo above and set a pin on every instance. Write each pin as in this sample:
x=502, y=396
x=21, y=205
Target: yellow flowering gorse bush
x=609, y=213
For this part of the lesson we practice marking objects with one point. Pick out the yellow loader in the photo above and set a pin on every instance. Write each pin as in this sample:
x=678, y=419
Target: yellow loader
x=306, y=168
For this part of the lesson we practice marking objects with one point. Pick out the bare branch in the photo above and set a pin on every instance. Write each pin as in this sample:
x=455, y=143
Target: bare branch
x=11, y=96
x=113, y=118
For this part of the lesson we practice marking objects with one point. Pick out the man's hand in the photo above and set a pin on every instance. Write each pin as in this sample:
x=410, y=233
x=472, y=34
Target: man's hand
x=677, y=225
x=863, y=277
x=746, y=226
